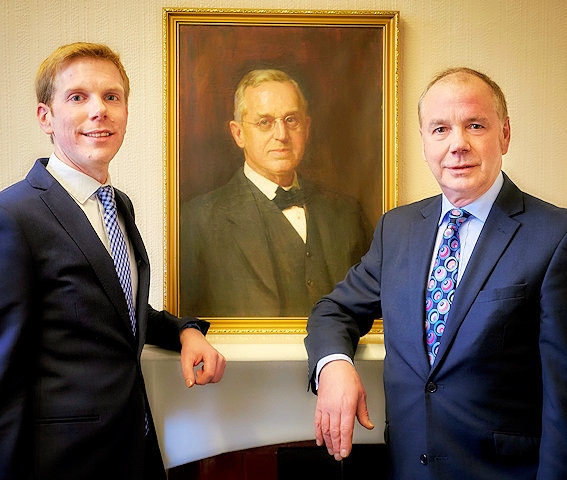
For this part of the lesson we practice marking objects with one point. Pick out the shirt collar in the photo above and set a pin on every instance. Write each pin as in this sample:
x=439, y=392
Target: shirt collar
x=480, y=208
x=267, y=187
x=79, y=185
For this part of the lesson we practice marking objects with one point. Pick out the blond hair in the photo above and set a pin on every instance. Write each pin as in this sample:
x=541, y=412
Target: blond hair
x=52, y=65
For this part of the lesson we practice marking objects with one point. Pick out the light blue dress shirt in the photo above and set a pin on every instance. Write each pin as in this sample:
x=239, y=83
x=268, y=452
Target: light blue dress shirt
x=469, y=233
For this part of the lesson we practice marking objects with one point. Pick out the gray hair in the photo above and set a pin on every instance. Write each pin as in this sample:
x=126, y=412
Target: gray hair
x=500, y=99
x=257, y=77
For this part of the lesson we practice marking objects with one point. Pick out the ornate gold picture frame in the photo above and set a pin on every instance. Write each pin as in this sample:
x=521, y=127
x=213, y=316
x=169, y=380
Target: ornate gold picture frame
x=347, y=65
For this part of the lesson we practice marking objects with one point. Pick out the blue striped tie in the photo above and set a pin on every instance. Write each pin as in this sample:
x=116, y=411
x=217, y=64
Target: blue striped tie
x=118, y=248
x=120, y=256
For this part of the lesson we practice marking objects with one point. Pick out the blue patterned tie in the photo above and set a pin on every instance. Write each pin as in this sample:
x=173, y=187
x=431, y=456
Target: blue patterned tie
x=443, y=282
x=118, y=248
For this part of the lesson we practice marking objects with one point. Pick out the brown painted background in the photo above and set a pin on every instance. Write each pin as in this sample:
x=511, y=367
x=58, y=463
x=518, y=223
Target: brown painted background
x=339, y=69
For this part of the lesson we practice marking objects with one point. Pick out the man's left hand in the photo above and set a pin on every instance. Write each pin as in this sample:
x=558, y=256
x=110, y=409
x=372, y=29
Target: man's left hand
x=195, y=350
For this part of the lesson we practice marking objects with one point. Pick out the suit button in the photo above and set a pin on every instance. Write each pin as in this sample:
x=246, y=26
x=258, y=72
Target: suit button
x=423, y=459
x=431, y=387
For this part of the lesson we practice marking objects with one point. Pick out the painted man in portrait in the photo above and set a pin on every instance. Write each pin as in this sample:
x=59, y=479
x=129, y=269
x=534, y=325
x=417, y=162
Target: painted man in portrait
x=269, y=243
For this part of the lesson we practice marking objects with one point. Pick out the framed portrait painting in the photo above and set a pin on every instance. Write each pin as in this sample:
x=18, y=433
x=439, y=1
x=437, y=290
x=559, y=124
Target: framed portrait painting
x=232, y=256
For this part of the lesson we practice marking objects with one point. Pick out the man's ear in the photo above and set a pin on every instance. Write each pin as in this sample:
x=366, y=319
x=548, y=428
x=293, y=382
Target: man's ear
x=237, y=133
x=43, y=114
x=307, y=125
x=506, y=135
x=422, y=145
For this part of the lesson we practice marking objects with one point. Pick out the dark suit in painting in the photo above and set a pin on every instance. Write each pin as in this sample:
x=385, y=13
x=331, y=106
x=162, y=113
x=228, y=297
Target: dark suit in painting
x=72, y=396
x=240, y=256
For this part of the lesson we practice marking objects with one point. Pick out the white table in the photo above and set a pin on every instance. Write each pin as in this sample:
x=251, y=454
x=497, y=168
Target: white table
x=261, y=400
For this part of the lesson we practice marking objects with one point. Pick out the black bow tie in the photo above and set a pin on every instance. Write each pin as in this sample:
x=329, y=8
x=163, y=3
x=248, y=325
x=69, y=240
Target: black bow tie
x=289, y=198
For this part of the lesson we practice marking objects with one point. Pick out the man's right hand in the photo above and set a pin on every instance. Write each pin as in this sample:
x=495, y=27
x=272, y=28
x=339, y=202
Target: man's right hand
x=340, y=398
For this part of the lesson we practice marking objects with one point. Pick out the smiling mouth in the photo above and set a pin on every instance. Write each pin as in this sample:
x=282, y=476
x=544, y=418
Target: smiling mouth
x=98, y=135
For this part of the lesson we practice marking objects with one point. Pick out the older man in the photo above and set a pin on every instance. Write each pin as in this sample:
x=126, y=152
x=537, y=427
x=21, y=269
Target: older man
x=244, y=250
x=472, y=288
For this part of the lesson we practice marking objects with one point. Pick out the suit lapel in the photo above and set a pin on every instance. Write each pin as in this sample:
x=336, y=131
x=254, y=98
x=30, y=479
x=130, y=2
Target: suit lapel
x=319, y=222
x=78, y=227
x=239, y=215
x=421, y=244
x=495, y=237
x=124, y=206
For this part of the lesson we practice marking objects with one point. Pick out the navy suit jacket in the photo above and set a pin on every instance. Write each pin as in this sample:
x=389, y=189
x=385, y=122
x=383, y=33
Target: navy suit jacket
x=72, y=396
x=494, y=404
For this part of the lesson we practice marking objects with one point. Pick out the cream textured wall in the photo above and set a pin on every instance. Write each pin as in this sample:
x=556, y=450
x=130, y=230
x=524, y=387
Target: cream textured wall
x=522, y=44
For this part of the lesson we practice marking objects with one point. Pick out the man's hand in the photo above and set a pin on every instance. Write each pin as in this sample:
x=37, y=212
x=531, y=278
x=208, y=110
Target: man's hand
x=195, y=349
x=341, y=396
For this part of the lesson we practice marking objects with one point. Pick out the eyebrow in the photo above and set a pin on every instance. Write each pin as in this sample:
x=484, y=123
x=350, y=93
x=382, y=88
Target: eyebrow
x=287, y=114
x=475, y=119
x=116, y=88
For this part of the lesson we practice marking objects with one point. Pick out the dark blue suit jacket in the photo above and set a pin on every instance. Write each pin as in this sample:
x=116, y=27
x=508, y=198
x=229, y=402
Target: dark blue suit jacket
x=494, y=405
x=72, y=396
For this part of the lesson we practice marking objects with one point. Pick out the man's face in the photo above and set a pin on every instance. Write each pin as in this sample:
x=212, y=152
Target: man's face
x=277, y=152
x=463, y=137
x=87, y=116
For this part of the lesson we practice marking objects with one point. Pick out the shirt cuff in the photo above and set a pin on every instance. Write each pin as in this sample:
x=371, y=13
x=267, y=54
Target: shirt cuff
x=194, y=325
x=329, y=358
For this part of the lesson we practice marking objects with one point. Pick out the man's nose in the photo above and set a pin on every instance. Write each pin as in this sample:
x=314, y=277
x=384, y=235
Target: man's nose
x=459, y=140
x=98, y=107
x=280, y=130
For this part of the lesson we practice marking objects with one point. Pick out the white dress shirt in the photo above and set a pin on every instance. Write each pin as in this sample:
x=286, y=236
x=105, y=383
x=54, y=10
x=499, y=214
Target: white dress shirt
x=83, y=189
x=295, y=214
